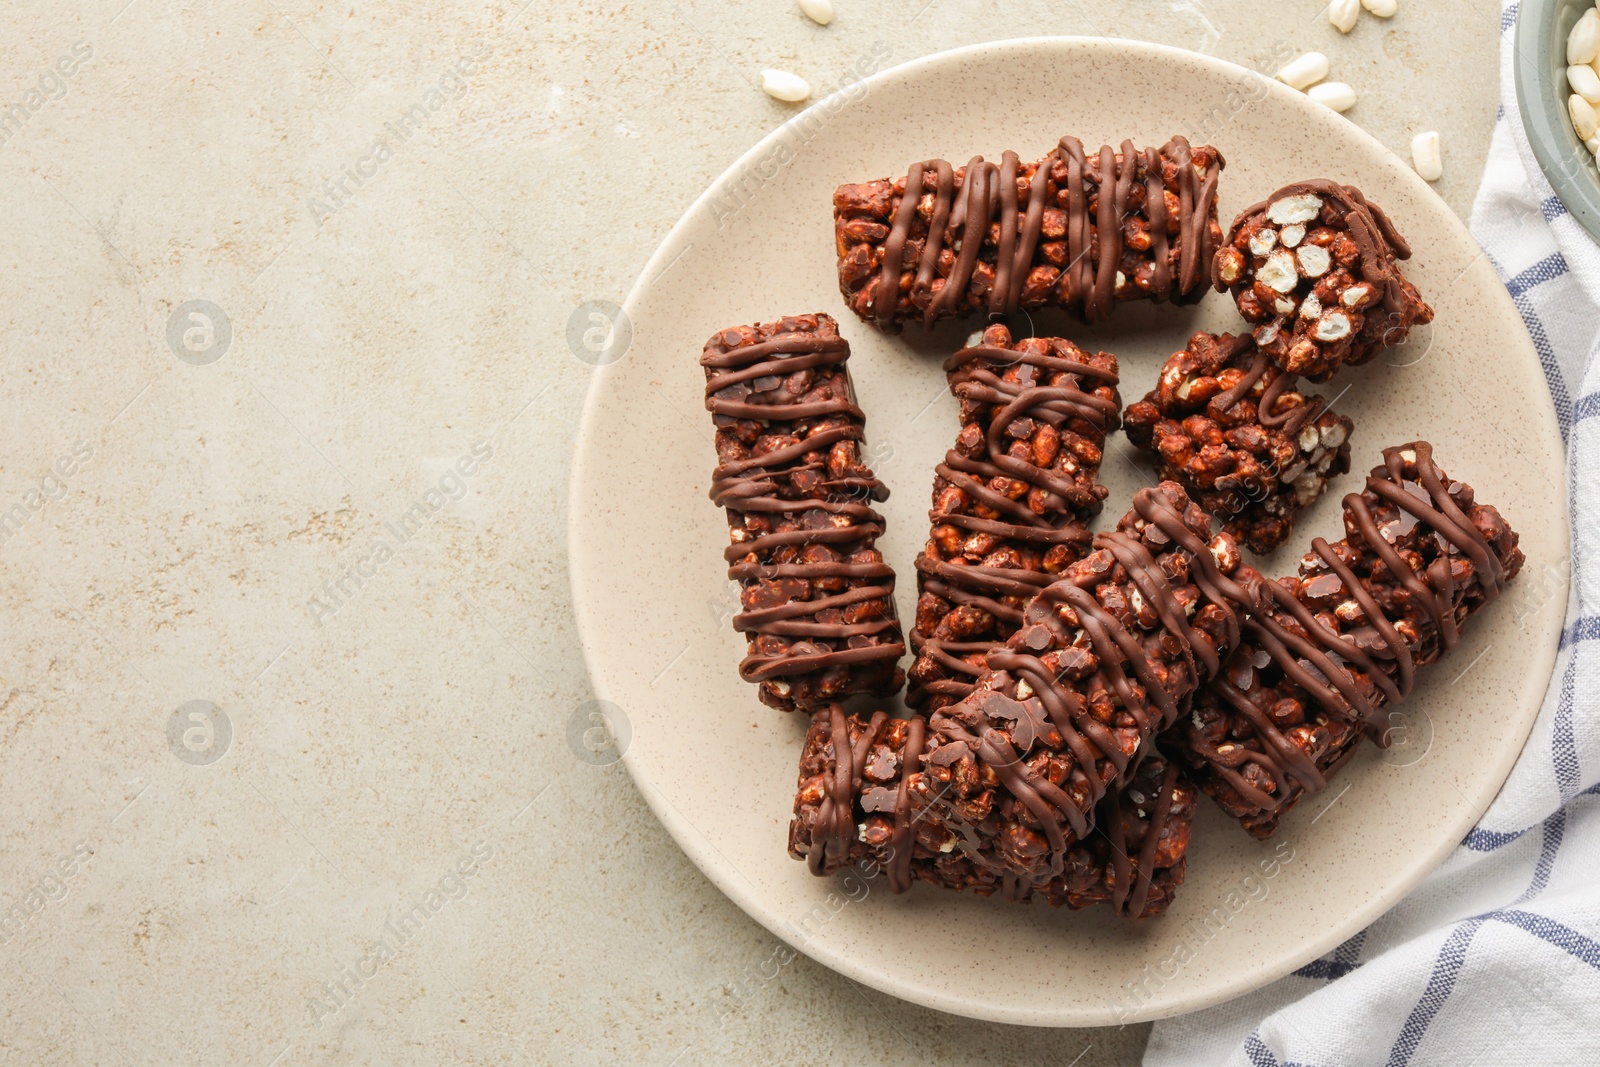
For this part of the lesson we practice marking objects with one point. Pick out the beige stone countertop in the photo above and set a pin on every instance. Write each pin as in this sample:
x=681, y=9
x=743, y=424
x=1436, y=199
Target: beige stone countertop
x=289, y=677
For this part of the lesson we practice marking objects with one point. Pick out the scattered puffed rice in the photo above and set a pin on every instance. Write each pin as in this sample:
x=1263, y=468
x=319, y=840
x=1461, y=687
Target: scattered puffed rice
x=781, y=85
x=1343, y=14
x=1337, y=95
x=1425, y=156
x=1305, y=71
x=818, y=11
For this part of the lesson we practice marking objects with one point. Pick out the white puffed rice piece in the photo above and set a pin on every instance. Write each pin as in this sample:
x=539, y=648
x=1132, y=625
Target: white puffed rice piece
x=1263, y=240
x=1583, y=43
x=1278, y=272
x=1381, y=8
x=818, y=11
x=1334, y=326
x=1314, y=261
x=1343, y=14
x=1302, y=72
x=1288, y=210
x=1426, y=156
x=1336, y=95
x=1582, y=115
x=781, y=85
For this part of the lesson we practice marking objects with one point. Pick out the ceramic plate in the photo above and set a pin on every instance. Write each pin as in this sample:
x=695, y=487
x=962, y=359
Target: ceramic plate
x=653, y=602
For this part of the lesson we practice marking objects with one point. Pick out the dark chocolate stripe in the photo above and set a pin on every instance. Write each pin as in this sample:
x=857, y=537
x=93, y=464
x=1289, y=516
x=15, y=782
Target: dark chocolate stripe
x=835, y=829
x=1266, y=407
x=903, y=837
x=1130, y=893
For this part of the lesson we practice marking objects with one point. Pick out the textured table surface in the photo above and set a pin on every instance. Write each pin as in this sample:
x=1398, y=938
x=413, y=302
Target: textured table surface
x=293, y=766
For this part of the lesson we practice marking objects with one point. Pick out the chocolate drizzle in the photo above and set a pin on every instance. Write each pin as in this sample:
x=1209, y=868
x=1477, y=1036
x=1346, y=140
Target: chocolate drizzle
x=797, y=497
x=834, y=833
x=1004, y=236
x=1028, y=701
x=1133, y=880
x=1291, y=420
x=1040, y=394
x=838, y=749
x=900, y=841
x=1407, y=617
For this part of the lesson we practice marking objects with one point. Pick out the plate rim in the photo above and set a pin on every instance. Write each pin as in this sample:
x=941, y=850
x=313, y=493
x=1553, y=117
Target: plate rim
x=706, y=857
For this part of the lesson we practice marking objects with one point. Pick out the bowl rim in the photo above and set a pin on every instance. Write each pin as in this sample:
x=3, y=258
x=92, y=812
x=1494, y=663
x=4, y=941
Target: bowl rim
x=1542, y=106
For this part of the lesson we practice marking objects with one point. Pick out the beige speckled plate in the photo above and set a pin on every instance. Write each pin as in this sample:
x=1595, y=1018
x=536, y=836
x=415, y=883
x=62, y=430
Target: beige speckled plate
x=653, y=604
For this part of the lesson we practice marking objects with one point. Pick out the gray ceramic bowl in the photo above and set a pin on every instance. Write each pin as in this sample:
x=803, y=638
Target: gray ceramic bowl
x=1540, y=68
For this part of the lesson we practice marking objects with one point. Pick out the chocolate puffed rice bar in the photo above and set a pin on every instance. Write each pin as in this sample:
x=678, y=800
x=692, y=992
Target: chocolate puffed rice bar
x=1108, y=656
x=818, y=597
x=882, y=809
x=1009, y=500
x=1344, y=639
x=1078, y=230
x=1234, y=430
